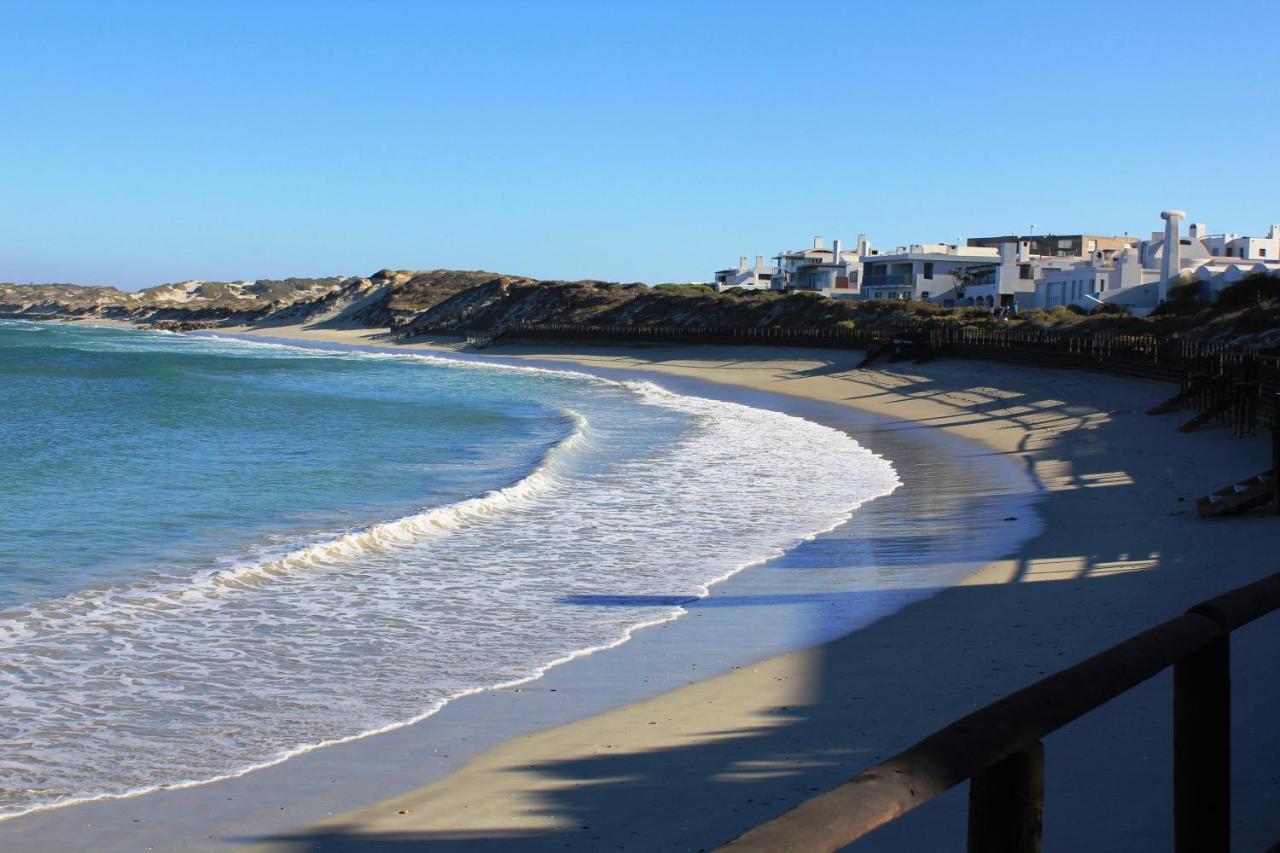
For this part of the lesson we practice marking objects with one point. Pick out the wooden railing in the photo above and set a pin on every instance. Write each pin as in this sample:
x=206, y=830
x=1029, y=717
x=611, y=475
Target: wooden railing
x=999, y=748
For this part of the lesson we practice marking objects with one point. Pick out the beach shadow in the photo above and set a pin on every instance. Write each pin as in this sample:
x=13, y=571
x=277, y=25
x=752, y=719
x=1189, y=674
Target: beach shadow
x=697, y=795
x=1082, y=584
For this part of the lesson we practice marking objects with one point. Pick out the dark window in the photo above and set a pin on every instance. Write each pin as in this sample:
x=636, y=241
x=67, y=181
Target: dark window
x=928, y=269
x=1262, y=253
x=1024, y=271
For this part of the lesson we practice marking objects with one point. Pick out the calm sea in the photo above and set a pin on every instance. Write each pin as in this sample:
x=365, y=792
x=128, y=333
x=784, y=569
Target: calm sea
x=215, y=555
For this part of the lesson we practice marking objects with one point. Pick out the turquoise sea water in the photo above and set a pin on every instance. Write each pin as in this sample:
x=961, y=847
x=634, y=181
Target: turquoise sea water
x=217, y=554
x=125, y=451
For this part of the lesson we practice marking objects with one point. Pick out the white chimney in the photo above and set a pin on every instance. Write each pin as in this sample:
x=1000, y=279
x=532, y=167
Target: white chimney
x=742, y=262
x=759, y=261
x=1171, y=263
x=817, y=242
x=835, y=251
x=864, y=245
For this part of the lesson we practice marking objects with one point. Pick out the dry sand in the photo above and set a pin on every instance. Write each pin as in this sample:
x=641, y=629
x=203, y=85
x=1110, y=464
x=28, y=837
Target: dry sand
x=1122, y=548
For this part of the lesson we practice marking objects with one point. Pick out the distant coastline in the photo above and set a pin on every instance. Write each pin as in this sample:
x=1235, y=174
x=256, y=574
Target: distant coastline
x=451, y=302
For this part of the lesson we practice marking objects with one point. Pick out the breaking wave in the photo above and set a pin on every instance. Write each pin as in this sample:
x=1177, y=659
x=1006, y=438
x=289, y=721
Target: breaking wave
x=651, y=495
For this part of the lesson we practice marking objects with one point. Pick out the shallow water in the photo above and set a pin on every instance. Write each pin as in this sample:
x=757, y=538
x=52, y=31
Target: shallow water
x=250, y=550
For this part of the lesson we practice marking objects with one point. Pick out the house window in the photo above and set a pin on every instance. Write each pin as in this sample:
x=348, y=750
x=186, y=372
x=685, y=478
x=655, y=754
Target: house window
x=1262, y=253
x=1024, y=272
x=928, y=269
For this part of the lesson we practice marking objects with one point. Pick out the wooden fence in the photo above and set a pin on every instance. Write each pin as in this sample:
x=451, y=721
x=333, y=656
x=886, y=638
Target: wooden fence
x=1228, y=384
x=999, y=748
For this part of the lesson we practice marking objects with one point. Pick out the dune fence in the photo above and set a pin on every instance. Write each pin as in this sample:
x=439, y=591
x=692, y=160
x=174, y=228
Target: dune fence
x=1234, y=385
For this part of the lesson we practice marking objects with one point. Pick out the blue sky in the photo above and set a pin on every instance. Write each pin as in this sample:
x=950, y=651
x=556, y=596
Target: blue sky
x=152, y=142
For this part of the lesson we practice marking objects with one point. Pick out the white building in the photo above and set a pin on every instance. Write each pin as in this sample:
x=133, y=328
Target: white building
x=1235, y=246
x=1011, y=281
x=1088, y=282
x=833, y=272
x=1139, y=277
x=758, y=277
x=921, y=271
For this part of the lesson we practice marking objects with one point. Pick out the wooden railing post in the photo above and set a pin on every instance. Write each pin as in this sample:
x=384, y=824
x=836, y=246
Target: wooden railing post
x=1202, y=749
x=1006, y=804
x=1275, y=453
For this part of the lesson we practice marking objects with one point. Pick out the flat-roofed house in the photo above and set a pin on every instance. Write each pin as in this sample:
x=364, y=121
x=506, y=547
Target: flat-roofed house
x=922, y=270
x=1057, y=245
x=833, y=272
x=758, y=277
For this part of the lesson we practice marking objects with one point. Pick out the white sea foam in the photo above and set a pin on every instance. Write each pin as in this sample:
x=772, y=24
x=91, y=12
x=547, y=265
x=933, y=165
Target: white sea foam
x=158, y=684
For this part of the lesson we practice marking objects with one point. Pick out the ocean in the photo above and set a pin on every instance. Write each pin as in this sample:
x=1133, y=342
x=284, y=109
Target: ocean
x=216, y=554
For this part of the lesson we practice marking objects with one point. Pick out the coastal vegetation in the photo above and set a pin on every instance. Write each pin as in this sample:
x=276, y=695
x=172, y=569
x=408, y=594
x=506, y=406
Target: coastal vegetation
x=457, y=301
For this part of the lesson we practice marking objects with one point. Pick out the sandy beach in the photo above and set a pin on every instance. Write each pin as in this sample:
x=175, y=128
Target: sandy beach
x=1117, y=547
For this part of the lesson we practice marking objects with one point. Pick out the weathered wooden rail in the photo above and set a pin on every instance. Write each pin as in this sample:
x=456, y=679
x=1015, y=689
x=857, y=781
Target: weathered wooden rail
x=999, y=748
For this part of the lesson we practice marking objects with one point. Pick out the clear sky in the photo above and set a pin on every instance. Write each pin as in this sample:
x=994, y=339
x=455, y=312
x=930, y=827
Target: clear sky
x=150, y=142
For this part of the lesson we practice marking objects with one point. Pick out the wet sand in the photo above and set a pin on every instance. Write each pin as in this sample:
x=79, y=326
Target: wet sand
x=691, y=761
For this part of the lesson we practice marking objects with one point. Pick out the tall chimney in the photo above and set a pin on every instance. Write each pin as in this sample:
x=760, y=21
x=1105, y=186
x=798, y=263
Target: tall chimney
x=817, y=242
x=864, y=245
x=759, y=261
x=742, y=262
x=835, y=251
x=1171, y=265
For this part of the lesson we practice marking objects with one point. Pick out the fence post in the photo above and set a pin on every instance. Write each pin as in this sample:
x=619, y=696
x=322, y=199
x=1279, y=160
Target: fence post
x=1275, y=453
x=1202, y=749
x=1006, y=804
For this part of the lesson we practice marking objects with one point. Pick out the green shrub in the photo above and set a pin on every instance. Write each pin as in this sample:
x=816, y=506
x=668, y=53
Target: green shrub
x=1258, y=288
x=1111, y=308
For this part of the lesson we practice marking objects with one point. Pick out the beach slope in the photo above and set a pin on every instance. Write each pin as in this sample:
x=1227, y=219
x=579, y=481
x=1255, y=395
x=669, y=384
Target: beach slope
x=1121, y=549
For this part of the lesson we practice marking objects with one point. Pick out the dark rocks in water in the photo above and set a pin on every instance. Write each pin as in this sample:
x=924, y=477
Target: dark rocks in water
x=182, y=325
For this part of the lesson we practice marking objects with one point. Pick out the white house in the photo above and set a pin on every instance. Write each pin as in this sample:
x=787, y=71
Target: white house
x=1139, y=277
x=758, y=277
x=1235, y=246
x=921, y=271
x=1090, y=281
x=833, y=272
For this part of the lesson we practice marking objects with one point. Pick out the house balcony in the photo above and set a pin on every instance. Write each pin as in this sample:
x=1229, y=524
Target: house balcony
x=902, y=280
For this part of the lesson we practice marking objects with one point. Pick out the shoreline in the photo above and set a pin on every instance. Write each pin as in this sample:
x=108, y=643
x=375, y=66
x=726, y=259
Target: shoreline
x=799, y=618
x=994, y=413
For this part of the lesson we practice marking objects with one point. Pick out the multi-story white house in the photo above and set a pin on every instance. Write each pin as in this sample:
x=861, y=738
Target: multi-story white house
x=1235, y=246
x=1088, y=282
x=1139, y=277
x=921, y=271
x=1010, y=281
x=834, y=272
x=758, y=277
